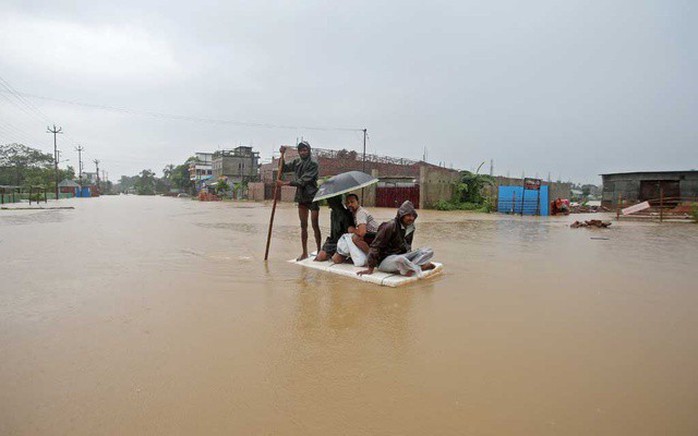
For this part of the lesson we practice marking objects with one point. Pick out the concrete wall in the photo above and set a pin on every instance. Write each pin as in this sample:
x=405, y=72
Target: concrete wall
x=256, y=191
x=435, y=184
x=288, y=194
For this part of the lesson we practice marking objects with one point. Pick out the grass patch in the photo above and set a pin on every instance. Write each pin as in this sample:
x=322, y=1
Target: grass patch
x=473, y=207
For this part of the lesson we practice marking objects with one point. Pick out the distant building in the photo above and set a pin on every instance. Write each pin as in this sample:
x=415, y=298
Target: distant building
x=89, y=178
x=237, y=165
x=202, y=168
x=672, y=186
x=68, y=187
x=399, y=178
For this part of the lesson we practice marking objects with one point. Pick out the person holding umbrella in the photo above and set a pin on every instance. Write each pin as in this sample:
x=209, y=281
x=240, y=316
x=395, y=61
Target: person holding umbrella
x=305, y=170
x=341, y=222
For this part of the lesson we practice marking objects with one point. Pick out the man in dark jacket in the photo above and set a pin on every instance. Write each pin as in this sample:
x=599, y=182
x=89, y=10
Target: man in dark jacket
x=305, y=171
x=341, y=222
x=391, y=250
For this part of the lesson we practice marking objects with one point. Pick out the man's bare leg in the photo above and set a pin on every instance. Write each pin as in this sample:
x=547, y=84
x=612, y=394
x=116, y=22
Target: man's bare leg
x=315, y=220
x=321, y=256
x=338, y=258
x=303, y=216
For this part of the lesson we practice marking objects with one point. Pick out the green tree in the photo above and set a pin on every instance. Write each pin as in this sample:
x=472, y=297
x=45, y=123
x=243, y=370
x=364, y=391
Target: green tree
x=22, y=165
x=222, y=186
x=471, y=185
x=145, y=183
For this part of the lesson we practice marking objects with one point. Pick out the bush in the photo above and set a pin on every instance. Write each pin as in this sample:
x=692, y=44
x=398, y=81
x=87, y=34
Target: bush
x=454, y=205
x=694, y=212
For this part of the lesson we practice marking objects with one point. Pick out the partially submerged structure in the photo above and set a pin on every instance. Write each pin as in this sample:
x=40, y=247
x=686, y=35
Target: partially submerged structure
x=668, y=187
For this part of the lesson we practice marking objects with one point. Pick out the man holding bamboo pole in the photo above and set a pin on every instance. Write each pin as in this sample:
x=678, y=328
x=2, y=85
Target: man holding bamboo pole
x=305, y=171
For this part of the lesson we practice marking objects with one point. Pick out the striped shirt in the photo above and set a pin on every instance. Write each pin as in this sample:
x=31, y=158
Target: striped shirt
x=363, y=217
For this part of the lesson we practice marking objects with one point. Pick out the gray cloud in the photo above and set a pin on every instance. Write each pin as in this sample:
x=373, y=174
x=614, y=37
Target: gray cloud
x=571, y=88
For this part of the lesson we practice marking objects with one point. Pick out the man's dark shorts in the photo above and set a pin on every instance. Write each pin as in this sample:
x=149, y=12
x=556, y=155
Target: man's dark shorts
x=369, y=237
x=310, y=206
x=330, y=248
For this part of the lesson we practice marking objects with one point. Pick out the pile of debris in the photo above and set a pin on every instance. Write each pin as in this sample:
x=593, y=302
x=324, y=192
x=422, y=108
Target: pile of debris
x=586, y=208
x=207, y=196
x=591, y=223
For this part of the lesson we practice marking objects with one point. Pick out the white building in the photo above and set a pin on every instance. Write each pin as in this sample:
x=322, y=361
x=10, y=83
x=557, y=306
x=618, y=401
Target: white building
x=202, y=169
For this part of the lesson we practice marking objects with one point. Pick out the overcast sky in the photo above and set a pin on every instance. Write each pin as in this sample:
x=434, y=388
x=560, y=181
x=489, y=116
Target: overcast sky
x=574, y=88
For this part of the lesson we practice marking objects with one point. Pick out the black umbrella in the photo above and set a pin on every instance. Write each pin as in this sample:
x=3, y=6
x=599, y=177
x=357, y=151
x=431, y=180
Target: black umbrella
x=343, y=183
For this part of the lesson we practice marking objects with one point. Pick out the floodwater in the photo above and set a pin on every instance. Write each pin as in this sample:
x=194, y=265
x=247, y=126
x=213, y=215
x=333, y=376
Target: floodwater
x=135, y=315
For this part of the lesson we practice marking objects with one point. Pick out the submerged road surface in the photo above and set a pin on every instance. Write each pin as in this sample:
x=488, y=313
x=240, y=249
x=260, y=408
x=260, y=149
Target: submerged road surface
x=135, y=315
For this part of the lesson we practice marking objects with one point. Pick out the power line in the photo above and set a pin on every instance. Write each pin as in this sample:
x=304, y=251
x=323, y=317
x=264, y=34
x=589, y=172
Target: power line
x=163, y=115
x=23, y=100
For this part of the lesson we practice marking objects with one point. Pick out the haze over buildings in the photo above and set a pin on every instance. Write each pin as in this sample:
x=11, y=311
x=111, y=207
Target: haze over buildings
x=571, y=88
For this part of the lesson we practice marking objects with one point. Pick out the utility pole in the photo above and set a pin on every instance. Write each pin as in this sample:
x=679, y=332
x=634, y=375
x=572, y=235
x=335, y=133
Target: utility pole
x=96, y=161
x=363, y=161
x=80, y=149
x=491, y=167
x=55, y=131
x=363, y=164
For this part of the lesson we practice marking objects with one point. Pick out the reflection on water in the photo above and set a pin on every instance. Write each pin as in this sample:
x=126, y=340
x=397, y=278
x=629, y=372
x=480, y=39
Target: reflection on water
x=158, y=315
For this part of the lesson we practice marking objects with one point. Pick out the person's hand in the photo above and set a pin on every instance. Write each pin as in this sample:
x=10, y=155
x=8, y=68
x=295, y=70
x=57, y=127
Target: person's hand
x=281, y=183
x=365, y=271
x=282, y=149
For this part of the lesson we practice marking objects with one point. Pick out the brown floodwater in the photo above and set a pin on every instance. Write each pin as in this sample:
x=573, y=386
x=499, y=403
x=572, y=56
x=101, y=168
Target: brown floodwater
x=135, y=315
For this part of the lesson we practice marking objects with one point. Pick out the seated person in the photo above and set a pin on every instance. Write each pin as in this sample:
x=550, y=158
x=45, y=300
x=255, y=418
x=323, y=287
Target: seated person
x=391, y=250
x=365, y=227
x=341, y=222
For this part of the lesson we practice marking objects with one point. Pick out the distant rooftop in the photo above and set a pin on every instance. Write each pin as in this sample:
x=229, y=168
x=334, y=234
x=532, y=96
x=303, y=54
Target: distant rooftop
x=649, y=172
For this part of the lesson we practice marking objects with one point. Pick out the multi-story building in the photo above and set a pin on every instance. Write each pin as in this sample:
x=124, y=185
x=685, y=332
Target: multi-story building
x=237, y=165
x=202, y=168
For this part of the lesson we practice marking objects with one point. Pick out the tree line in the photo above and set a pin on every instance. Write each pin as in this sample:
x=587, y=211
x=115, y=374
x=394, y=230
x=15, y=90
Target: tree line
x=174, y=178
x=26, y=166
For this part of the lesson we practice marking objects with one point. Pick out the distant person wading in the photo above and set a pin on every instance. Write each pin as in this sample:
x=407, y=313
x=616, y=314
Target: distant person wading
x=305, y=171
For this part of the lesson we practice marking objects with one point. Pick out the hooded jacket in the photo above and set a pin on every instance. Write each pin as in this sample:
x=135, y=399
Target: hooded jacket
x=340, y=219
x=391, y=237
x=305, y=173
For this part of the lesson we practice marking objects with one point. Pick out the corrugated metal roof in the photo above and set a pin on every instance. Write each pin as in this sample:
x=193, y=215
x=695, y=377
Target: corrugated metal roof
x=649, y=172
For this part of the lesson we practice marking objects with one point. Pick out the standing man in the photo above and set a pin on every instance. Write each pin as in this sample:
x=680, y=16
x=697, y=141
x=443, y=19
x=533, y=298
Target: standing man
x=391, y=250
x=305, y=171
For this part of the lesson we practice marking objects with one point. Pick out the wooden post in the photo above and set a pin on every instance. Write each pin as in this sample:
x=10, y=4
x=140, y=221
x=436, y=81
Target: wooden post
x=273, y=207
x=661, y=203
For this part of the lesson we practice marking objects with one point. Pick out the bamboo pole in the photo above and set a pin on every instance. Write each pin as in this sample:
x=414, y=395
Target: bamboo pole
x=661, y=203
x=273, y=207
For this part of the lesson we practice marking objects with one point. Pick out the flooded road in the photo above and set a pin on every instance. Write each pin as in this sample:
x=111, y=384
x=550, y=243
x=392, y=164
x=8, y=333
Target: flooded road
x=134, y=315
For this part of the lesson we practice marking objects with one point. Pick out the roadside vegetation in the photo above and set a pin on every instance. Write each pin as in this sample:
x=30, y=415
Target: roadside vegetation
x=469, y=193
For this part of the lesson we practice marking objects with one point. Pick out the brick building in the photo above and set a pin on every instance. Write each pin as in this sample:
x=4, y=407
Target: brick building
x=334, y=162
x=400, y=179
